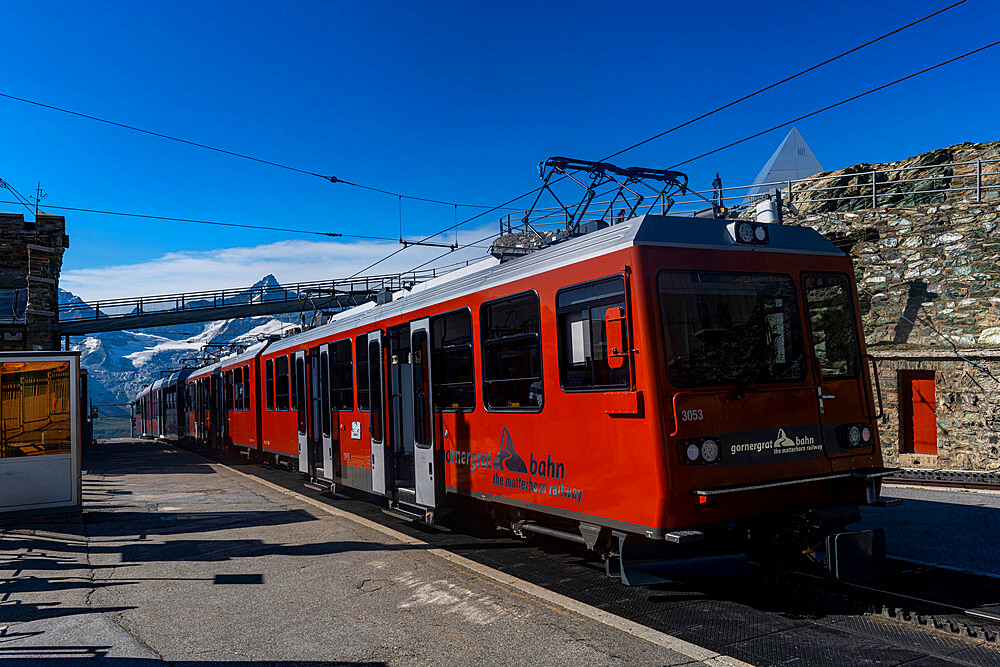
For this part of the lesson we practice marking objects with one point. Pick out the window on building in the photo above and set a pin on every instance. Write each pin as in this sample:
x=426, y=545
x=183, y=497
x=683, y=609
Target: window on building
x=361, y=349
x=512, y=353
x=13, y=302
x=269, y=382
x=451, y=357
x=342, y=376
x=832, y=327
x=281, y=383
x=583, y=341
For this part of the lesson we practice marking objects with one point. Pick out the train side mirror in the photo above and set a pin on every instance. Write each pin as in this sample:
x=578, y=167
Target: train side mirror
x=614, y=325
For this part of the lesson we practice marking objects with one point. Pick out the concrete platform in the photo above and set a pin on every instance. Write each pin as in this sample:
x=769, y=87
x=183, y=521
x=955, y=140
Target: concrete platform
x=956, y=529
x=177, y=559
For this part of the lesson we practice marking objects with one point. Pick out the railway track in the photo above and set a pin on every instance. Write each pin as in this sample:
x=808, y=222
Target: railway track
x=814, y=620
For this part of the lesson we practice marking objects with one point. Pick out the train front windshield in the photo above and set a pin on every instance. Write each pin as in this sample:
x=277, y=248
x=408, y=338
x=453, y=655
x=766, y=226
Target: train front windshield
x=730, y=328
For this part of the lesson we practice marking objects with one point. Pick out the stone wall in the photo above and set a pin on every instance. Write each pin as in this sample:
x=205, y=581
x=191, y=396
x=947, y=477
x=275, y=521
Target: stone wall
x=929, y=288
x=30, y=261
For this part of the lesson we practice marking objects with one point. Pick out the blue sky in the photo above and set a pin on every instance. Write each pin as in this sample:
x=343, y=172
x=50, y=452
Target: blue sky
x=450, y=101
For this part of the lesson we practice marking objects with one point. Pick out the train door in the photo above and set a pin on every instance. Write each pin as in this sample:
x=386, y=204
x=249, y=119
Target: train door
x=842, y=395
x=376, y=413
x=301, y=402
x=420, y=407
x=220, y=423
x=400, y=415
x=325, y=420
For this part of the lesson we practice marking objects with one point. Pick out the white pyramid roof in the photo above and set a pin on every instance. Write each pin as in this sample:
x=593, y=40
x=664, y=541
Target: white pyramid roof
x=792, y=160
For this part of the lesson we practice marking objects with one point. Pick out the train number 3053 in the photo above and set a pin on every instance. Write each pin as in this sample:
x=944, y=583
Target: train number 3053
x=691, y=415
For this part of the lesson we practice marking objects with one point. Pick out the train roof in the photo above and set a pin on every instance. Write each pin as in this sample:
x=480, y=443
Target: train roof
x=649, y=230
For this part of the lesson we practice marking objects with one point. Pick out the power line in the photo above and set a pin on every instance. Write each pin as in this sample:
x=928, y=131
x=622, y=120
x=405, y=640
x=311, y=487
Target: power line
x=785, y=80
x=243, y=156
x=17, y=195
x=818, y=111
x=837, y=104
x=694, y=120
x=214, y=222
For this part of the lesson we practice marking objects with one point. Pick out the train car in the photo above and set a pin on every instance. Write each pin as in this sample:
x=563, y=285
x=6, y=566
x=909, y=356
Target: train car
x=173, y=422
x=203, y=416
x=662, y=380
x=239, y=378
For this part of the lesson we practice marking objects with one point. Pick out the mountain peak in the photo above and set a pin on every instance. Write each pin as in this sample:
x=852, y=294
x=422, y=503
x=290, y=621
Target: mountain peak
x=267, y=281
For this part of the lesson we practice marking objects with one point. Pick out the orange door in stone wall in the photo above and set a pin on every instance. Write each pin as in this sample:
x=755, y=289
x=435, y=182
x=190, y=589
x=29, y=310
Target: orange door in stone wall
x=917, y=413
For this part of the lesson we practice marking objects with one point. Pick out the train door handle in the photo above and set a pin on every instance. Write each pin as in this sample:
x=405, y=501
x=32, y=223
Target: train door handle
x=827, y=396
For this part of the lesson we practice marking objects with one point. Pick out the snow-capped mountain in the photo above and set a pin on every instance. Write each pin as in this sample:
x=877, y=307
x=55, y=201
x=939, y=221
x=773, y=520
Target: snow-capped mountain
x=121, y=363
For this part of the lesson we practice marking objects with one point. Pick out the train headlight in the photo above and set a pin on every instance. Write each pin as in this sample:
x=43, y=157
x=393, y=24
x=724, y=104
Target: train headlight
x=866, y=435
x=710, y=451
x=692, y=452
x=854, y=436
x=745, y=230
x=760, y=233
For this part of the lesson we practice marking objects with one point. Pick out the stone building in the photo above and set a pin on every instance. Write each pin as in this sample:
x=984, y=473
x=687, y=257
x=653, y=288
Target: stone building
x=30, y=261
x=926, y=247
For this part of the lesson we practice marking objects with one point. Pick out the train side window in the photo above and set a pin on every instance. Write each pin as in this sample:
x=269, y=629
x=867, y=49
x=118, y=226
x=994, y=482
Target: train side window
x=281, y=384
x=246, y=387
x=512, y=353
x=238, y=389
x=230, y=393
x=376, y=426
x=583, y=342
x=832, y=327
x=269, y=382
x=342, y=375
x=421, y=391
x=361, y=349
x=324, y=390
x=451, y=359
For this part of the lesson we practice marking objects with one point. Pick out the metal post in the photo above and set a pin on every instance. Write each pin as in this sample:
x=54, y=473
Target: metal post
x=979, y=179
x=789, y=192
x=874, y=198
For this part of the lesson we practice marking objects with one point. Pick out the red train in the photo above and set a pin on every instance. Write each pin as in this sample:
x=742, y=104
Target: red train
x=662, y=380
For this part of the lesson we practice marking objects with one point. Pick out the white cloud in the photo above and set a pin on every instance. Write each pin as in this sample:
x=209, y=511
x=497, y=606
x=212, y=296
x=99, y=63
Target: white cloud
x=288, y=261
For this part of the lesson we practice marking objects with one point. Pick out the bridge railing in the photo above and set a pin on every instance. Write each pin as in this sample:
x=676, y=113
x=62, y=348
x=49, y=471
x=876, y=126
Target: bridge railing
x=213, y=299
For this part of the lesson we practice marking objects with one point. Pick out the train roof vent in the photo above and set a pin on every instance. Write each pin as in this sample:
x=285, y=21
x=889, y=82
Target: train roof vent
x=611, y=195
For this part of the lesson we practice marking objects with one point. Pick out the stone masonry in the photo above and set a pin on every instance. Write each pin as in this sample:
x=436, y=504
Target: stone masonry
x=30, y=260
x=928, y=275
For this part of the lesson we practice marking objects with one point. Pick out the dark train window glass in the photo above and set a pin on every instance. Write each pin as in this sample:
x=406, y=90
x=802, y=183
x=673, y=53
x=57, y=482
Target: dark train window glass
x=758, y=340
x=269, y=382
x=246, y=387
x=342, y=375
x=230, y=393
x=361, y=349
x=299, y=397
x=451, y=359
x=375, y=390
x=281, y=384
x=421, y=391
x=512, y=353
x=832, y=327
x=324, y=390
x=238, y=389
x=583, y=341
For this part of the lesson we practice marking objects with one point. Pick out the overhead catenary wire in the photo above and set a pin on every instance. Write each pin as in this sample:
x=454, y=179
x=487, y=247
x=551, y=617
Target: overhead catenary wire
x=821, y=110
x=215, y=223
x=242, y=156
x=700, y=117
x=23, y=201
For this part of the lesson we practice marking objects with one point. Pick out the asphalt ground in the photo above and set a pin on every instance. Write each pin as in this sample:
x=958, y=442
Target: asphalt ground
x=957, y=529
x=176, y=559
x=190, y=562
x=738, y=616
